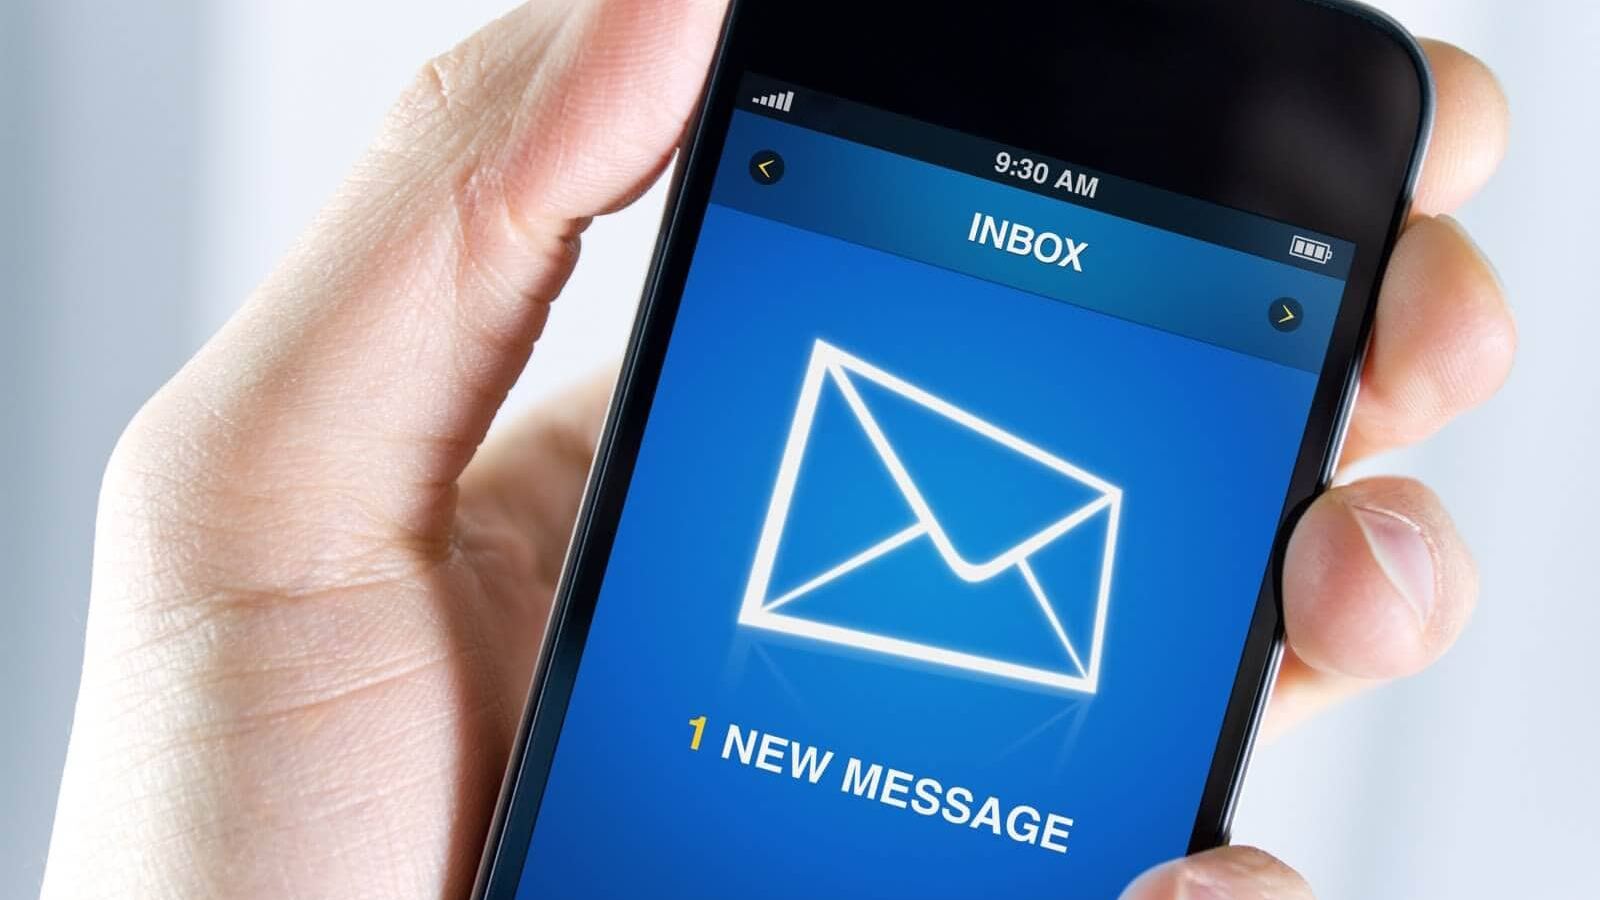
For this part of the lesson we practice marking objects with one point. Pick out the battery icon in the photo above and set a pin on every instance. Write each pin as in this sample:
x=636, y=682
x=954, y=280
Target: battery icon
x=1306, y=248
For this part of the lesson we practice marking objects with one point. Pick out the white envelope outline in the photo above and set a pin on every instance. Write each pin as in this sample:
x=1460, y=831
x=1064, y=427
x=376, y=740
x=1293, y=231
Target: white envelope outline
x=830, y=364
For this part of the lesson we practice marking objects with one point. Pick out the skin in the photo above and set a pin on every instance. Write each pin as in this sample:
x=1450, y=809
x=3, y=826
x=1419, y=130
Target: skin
x=318, y=593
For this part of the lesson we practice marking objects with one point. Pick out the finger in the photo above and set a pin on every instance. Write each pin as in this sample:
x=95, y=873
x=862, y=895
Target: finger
x=529, y=476
x=518, y=500
x=1227, y=873
x=1443, y=340
x=1470, y=125
x=369, y=366
x=1376, y=584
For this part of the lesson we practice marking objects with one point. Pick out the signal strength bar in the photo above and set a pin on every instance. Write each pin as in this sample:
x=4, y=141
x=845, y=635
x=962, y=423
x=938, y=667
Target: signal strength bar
x=779, y=101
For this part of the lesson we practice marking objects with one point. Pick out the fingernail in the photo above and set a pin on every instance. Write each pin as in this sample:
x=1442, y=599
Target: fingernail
x=1403, y=555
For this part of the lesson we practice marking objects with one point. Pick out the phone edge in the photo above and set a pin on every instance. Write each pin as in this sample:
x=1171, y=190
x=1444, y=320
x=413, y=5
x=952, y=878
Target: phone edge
x=672, y=211
x=1203, y=838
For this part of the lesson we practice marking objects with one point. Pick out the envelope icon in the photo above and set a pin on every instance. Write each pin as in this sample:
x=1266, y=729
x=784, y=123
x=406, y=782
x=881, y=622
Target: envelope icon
x=932, y=550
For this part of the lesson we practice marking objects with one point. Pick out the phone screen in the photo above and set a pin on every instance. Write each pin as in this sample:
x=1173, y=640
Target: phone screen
x=953, y=504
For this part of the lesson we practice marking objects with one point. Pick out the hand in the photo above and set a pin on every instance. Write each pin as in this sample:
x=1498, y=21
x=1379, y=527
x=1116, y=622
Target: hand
x=317, y=599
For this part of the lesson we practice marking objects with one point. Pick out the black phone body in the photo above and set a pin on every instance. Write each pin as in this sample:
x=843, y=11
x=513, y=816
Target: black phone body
x=988, y=353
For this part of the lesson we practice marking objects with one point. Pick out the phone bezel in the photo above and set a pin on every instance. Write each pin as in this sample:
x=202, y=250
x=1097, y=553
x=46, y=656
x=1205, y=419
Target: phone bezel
x=1343, y=59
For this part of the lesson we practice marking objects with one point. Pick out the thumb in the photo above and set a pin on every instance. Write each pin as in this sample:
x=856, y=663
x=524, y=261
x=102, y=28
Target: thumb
x=369, y=365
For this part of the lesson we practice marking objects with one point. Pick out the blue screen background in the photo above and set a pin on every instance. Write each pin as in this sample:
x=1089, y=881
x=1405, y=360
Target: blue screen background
x=1200, y=439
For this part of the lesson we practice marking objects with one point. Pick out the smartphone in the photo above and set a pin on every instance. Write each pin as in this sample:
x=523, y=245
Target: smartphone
x=987, y=356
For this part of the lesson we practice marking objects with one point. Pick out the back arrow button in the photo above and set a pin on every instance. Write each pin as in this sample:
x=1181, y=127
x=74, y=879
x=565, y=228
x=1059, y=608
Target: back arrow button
x=766, y=167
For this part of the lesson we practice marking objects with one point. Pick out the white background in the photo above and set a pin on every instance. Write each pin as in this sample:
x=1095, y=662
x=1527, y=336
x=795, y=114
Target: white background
x=158, y=157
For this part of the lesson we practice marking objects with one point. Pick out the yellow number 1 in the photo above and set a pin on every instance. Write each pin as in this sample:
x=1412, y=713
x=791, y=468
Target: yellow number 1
x=699, y=723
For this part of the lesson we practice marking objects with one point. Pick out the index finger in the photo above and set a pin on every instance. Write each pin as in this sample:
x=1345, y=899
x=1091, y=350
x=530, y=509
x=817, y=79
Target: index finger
x=1470, y=124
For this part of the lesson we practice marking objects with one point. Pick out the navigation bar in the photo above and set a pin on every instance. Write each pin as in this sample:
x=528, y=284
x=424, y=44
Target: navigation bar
x=1060, y=251
x=1061, y=180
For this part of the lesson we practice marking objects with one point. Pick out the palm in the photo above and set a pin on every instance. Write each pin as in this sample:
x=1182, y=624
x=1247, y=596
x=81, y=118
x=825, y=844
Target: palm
x=439, y=699
x=360, y=686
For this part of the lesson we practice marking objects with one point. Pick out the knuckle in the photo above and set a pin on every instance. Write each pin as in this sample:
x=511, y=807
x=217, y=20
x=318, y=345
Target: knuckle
x=453, y=87
x=433, y=88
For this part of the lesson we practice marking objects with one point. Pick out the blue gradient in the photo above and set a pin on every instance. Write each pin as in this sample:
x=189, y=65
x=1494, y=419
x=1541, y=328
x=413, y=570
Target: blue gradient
x=1201, y=440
